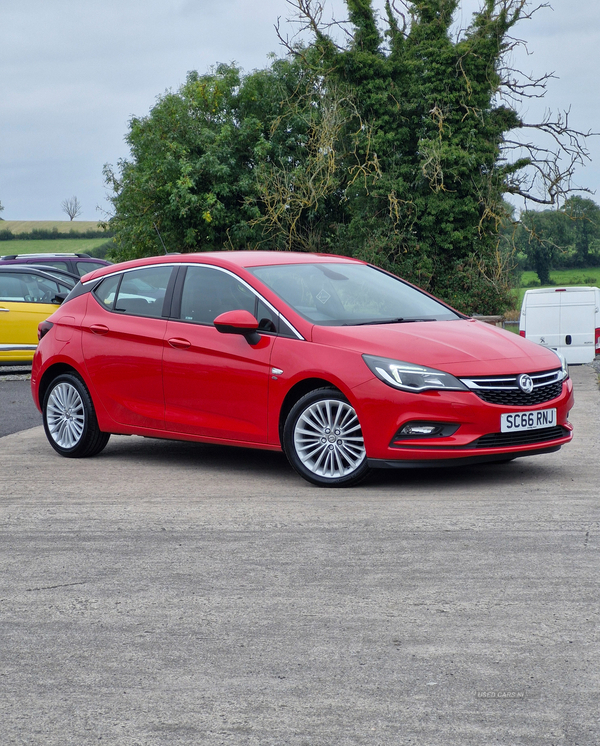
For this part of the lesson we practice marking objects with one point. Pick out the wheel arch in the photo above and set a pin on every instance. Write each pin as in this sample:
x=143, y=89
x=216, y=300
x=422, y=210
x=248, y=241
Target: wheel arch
x=297, y=391
x=50, y=374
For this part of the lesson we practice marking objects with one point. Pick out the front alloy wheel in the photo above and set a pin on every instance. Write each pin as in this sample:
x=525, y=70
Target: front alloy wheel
x=70, y=420
x=323, y=440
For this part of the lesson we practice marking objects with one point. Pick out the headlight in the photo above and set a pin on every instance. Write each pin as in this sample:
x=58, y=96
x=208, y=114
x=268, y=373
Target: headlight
x=411, y=377
x=563, y=364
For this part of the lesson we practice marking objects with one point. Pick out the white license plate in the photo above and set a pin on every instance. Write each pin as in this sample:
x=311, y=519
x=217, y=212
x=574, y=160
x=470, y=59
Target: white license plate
x=512, y=423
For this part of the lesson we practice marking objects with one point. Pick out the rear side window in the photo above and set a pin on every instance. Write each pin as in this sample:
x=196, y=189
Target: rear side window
x=84, y=267
x=140, y=292
x=106, y=291
x=56, y=264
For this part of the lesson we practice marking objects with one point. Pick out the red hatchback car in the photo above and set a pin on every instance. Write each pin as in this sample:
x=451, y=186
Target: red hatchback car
x=340, y=364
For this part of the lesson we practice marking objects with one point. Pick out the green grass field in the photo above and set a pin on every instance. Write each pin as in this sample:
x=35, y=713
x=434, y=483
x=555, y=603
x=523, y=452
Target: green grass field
x=62, y=226
x=589, y=277
x=52, y=246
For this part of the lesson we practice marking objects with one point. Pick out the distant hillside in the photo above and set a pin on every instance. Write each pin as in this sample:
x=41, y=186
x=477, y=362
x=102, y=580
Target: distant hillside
x=62, y=226
x=93, y=246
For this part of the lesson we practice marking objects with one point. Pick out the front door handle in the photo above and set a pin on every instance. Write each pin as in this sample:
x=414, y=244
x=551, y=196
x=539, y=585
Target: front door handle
x=99, y=329
x=6, y=310
x=180, y=344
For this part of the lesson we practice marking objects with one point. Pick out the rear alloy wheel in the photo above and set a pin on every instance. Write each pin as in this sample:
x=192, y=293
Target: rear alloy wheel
x=70, y=420
x=323, y=440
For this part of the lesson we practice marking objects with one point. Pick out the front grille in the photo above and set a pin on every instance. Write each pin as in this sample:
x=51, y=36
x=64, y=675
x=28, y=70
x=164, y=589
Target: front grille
x=517, y=398
x=523, y=438
x=505, y=391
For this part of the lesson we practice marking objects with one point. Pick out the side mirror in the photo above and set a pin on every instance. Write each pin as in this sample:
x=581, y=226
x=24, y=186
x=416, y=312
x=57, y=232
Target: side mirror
x=238, y=322
x=59, y=298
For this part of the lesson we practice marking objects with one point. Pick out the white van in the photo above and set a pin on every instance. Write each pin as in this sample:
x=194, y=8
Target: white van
x=566, y=319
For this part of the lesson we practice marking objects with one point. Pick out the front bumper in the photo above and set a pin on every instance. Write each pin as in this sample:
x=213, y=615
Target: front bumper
x=376, y=463
x=383, y=411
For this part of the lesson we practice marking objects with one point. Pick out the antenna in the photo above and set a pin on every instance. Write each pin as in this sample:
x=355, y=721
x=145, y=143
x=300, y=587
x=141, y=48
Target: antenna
x=162, y=242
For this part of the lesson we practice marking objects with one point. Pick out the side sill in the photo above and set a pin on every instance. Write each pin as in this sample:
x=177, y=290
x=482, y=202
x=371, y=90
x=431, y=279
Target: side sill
x=380, y=463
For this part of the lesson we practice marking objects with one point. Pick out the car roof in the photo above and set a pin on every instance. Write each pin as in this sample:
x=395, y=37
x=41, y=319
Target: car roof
x=54, y=270
x=46, y=255
x=226, y=259
x=48, y=274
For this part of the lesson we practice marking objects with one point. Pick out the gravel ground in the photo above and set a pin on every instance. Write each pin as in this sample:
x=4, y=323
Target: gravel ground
x=182, y=594
x=15, y=372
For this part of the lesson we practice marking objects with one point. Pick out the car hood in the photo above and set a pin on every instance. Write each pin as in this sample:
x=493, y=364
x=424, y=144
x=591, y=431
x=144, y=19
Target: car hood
x=462, y=347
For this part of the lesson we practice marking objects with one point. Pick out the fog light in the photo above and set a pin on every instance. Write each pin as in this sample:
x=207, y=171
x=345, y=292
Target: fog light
x=420, y=430
x=416, y=430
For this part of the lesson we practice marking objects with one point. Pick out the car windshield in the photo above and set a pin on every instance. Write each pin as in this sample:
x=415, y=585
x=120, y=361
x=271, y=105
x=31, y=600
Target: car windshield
x=350, y=295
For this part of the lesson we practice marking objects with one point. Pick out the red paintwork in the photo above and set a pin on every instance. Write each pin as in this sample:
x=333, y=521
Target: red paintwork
x=172, y=379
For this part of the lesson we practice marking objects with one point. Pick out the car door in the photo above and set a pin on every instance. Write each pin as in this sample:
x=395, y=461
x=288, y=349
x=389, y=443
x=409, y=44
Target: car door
x=577, y=317
x=123, y=337
x=25, y=300
x=216, y=385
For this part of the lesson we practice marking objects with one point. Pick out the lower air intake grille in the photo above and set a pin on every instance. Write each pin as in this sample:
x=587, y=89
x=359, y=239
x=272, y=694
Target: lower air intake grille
x=524, y=438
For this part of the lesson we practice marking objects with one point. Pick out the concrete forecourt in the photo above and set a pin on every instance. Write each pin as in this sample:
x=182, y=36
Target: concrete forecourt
x=178, y=593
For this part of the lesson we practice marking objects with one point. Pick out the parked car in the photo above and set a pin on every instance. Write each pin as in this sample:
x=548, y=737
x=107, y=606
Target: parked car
x=566, y=319
x=342, y=365
x=61, y=274
x=27, y=296
x=76, y=264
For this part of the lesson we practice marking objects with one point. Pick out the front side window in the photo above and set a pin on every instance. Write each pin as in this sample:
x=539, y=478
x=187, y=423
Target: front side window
x=28, y=288
x=350, y=295
x=209, y=292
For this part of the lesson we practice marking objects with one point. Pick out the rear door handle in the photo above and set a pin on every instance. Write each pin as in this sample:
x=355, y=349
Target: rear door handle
x=6, y=310
x=179, y=344
x=99, y=329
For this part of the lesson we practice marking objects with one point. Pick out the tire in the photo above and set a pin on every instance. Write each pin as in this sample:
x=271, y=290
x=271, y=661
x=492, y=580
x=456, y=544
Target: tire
x=70, y=420
x=323, y=440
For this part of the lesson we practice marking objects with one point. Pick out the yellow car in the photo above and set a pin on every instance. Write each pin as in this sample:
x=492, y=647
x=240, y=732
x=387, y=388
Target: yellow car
x=27, y=296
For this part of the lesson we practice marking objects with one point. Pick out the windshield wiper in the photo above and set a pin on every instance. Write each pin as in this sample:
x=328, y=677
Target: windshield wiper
x=387, y=321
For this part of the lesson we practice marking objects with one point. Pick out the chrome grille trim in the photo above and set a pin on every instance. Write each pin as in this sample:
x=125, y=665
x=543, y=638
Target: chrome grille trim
x=504, y=390
x=509, y=383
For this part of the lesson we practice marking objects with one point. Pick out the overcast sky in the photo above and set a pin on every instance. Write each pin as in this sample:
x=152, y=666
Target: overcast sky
x=73, y=72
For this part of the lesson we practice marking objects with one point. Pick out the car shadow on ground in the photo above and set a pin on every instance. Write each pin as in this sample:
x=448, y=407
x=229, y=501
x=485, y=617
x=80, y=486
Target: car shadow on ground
x=256, y=464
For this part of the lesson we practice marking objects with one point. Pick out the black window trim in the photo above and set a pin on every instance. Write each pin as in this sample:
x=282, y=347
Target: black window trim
x=176, y=305
x=174, y=302
x=167, y=300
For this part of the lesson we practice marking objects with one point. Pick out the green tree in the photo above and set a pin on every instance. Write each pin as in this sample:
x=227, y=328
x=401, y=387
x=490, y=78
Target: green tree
x=178, y=179
x=204, y=159
x=583, y=217
x=440, y=129
x=396, y=146
x=543, y=237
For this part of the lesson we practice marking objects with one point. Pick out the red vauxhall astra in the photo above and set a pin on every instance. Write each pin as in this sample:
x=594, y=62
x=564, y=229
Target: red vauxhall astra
x=341, y=365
